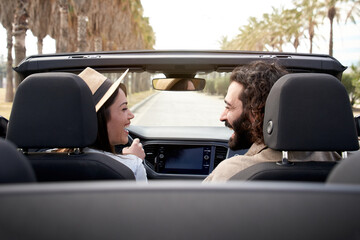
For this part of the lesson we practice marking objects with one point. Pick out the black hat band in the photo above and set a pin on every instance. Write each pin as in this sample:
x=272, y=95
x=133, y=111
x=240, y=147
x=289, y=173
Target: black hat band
x=100, y=92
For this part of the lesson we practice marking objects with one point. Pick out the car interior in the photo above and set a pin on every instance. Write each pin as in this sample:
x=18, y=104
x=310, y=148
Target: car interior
x=297, y=118
x=79, y=195
x=56, y=110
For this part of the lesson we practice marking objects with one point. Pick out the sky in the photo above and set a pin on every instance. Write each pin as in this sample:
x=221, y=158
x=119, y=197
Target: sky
x=200, y=24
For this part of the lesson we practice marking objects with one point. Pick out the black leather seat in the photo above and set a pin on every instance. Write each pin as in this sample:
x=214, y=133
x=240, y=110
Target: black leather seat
x=56, y=110
x=14, y=167
x=347, y=171
x=304, y=112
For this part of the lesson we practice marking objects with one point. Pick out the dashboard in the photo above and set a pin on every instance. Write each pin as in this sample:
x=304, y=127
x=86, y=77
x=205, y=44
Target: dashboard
x=183, y=152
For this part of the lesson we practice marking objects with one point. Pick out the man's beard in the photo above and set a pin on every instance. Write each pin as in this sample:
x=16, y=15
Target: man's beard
x=242, y=137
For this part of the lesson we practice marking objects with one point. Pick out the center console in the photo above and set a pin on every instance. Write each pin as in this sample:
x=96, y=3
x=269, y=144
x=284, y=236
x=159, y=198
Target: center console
x=183, y=159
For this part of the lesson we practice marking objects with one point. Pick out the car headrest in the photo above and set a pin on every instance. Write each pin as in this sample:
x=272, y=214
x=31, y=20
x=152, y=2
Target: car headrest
x=15, y=168
x=53, y=110
x=309, y=112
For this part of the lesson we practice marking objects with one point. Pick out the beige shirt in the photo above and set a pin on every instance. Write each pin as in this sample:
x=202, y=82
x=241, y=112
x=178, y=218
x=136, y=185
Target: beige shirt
x=261, y=153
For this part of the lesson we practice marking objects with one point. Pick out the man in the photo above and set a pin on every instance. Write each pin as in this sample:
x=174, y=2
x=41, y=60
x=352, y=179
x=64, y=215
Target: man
x=244, y=114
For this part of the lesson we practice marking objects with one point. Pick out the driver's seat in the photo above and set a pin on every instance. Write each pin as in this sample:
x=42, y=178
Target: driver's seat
x=304, y=112
x=56, y=110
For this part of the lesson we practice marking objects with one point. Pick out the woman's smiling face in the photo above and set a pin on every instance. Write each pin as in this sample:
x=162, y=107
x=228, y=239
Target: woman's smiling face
x=119, y=120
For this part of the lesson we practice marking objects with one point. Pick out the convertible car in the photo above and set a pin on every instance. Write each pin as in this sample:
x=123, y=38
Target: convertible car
x=177, y=98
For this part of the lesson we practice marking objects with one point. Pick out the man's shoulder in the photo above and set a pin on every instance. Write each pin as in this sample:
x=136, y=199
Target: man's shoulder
x=237, y=162
x=231, y=166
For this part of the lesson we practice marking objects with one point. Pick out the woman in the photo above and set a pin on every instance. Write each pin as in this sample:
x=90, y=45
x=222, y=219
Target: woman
x=114, y=117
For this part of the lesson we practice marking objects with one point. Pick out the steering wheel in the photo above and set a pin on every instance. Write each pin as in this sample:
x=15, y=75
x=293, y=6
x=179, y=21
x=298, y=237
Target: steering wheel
x=119, y=148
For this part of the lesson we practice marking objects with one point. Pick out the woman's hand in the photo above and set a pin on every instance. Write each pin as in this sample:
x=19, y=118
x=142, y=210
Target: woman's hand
x=135, y=149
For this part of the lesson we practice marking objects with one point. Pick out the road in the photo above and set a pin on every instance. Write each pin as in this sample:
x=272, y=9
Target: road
x=179, y=109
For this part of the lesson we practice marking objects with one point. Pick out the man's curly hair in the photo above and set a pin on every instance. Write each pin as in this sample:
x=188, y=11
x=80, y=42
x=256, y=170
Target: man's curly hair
x=257, y=78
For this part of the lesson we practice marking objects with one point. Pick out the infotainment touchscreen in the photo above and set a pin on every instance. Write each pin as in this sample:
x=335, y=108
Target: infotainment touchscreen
x=184, y=159
x=188, y=158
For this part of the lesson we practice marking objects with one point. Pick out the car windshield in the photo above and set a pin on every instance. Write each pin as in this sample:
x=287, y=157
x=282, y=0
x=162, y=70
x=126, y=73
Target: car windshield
x=175, y=108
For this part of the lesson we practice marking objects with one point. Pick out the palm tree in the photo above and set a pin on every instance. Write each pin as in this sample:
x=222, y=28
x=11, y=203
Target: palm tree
x=353, y=11
x=148, y=34
x=62, y=35
x=38, y=20
x=63, y=26
x=331, y=12
x=271, y=31
x=123, y=32
x=276, y=26
x=294, y=30
x=81, y=8
x=20, y=28
x=105, y=25
x=251, y=37
x=113, y=25
x=54, y=22
x=80, y=25
x=95, y=17
x=110, y=21
x=7, y=13
x=143, y=32
x=310, y=13
x=224, y=43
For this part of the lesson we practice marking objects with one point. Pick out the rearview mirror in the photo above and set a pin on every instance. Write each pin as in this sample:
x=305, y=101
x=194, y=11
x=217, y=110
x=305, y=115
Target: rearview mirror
x=179, y=84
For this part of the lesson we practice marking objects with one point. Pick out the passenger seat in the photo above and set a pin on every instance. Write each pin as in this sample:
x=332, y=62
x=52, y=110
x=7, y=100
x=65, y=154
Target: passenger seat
x=57, y=110
x=304, y=112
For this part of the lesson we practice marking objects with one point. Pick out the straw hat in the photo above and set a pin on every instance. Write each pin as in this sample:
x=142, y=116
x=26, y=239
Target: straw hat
x=101, y=87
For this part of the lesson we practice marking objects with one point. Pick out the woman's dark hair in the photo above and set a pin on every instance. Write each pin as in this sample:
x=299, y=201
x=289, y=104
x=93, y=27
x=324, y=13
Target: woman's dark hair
x=103, y=115
x=257, y=78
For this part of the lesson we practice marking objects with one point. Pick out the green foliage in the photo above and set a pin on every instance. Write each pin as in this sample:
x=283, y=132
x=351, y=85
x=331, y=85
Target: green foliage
x=217, y=86
x=350, y=88
x=295, y=25
x=351, y=82
x=210, y=87
x=221, y=86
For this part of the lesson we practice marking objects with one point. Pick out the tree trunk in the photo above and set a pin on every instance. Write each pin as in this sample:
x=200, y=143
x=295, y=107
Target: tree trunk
x=311, y=35
x=40, y=45
x=62, y=46
x=331, y=38
x=98, y=44
x=19, y=34
x=82, y=44
x=296, y=44
x=331, y=16
x=9, y=95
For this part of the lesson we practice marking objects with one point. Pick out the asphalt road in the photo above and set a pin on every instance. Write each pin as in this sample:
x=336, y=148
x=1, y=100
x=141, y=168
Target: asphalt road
x=179, y=109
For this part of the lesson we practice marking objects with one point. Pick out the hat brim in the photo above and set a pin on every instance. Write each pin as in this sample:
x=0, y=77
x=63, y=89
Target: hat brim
x=111, y=90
